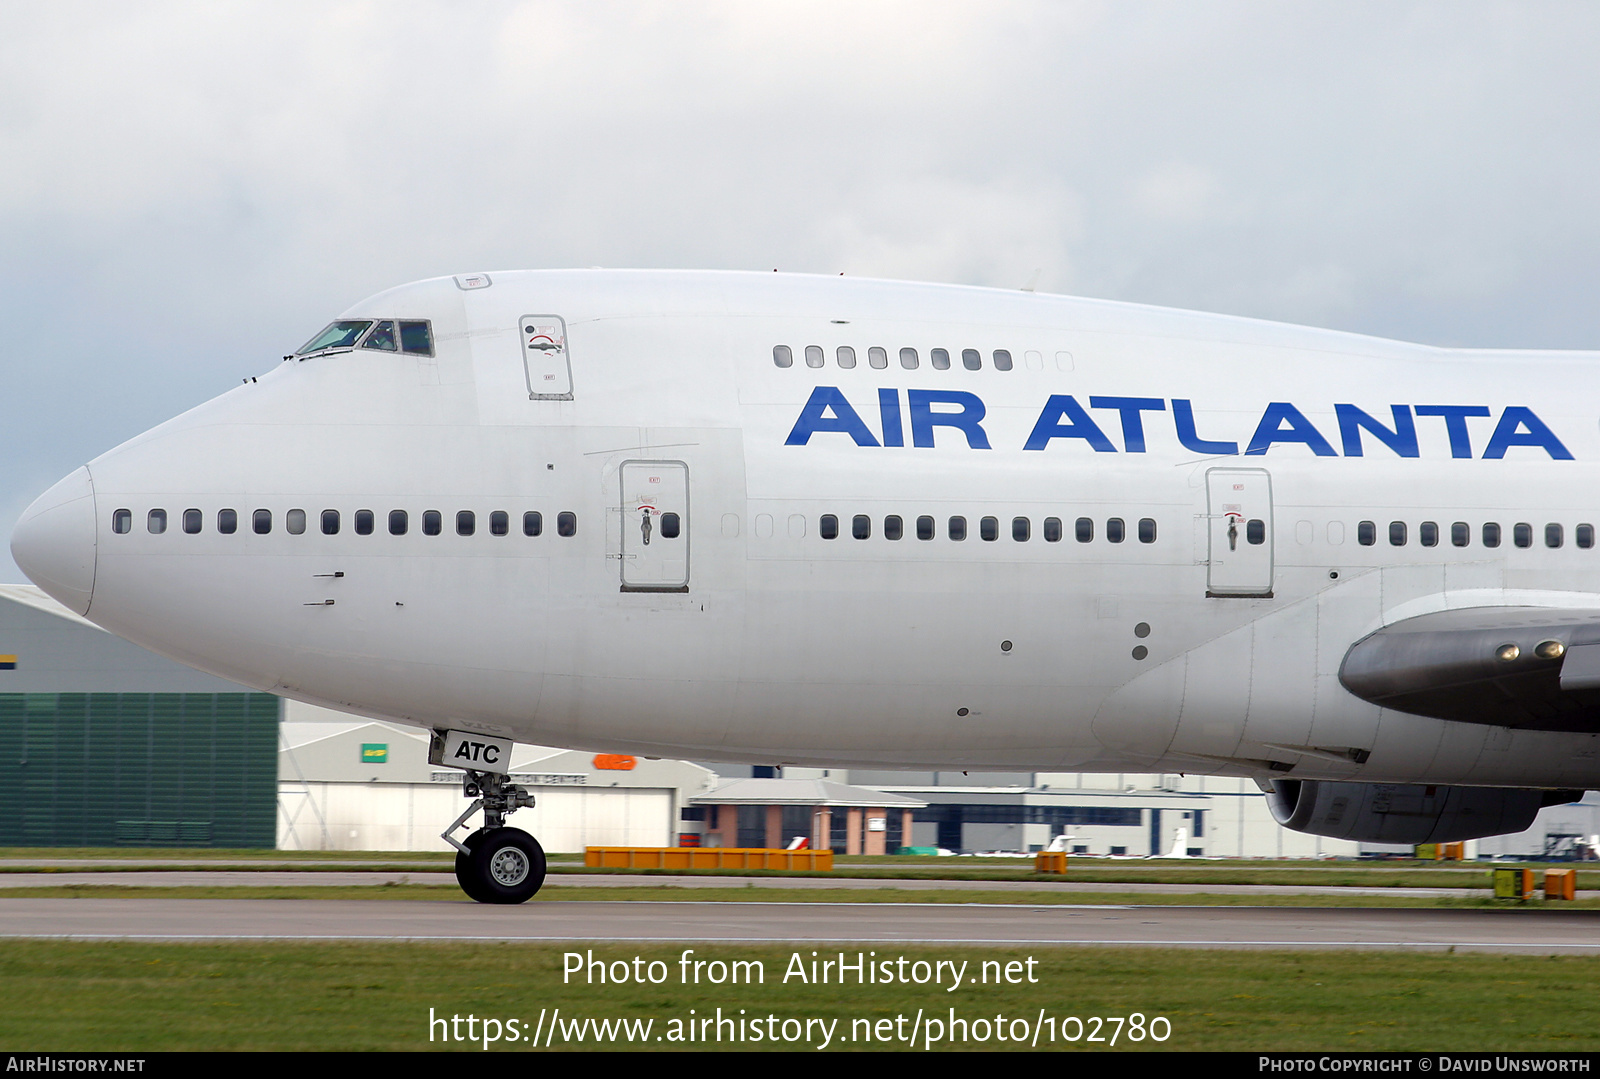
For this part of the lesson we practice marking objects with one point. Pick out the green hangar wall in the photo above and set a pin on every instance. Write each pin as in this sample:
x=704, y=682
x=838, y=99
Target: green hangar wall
x=103, y=744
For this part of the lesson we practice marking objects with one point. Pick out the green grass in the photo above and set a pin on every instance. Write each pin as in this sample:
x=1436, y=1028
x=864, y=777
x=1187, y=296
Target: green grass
x=1475, y=877
x=244, y=854
x=155, y=997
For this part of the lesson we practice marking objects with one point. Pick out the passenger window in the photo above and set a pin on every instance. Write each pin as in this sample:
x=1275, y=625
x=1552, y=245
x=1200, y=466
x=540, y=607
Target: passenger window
x=971, y=359
x=1491, y=534
x=781, y=356
x=399, y=522
x=671, y=526
x=1585, y=536
x=958, y=528
x=466, y=523
x=330, y=522
x=1428, y=534
x=122, y=522
x=861, y=526
x=814, y=356
x=1117, y=531
x=416, y=337
x=364, y=522
x=846, y=356
x=908, y=359
x=382, y=336
x=261, y=522
x=878, y=358
x=893, y=528
x=1460, y=534
x=924, y=528
x=1255, y=531
x=532, y=523
x=1083, y=529
x=1147, y=530
x=940, y=358
x=1002, y=360
x=157, y=522
x=1397, y=533
x=1522, y=534
x=1552, y=535
x=1021, y=529
x=294, y=522
x=989, y=528
x=566, y=523
x=191, y=521
x=227, y=522
x=1366, y=533
x=1052, y=530
x=828, y=527
x=499, y=523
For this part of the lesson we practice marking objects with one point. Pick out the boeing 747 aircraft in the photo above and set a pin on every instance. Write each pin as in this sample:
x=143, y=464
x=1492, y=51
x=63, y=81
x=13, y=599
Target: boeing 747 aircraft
x=814, y=520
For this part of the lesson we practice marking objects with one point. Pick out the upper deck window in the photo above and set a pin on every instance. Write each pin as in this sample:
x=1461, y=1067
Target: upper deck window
x=337, y=335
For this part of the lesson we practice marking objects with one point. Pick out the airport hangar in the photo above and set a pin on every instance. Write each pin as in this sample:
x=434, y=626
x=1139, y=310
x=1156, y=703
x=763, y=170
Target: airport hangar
x=104, y=744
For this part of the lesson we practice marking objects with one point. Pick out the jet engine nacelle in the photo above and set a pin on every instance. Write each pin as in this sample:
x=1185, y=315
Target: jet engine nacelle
x=1390, y=813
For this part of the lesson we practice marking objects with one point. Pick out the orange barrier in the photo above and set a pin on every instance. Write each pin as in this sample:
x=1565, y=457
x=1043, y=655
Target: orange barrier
x=707, y=858
x=1050, y=861
x=1561, y=884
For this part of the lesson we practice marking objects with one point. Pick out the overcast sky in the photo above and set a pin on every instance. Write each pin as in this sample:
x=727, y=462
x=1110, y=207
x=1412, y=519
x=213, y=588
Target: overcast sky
x=187, y=191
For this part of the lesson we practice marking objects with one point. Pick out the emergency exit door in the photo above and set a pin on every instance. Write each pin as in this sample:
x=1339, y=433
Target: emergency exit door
x=1239, y=519
x=655, y=526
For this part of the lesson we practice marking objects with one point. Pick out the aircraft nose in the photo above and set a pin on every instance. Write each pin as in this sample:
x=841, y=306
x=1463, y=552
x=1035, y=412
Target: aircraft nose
x=54, y=542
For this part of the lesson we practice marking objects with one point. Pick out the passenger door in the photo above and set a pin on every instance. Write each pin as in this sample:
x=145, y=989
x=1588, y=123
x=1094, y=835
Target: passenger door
x=655, y=526
x=1239, y=518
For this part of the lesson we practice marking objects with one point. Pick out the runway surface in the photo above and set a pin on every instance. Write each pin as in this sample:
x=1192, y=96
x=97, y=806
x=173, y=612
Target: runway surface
x=1537, y=932
x=195, y=878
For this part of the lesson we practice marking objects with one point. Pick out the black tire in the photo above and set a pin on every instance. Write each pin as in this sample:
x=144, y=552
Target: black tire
x=507, y=866
x=465, y=875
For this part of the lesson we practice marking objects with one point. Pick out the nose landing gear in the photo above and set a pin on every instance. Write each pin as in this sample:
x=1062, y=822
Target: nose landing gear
x=500, y=865
x=494, y=864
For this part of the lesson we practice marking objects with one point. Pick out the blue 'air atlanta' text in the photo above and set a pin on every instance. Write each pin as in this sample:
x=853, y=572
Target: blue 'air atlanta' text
x=1063, y=421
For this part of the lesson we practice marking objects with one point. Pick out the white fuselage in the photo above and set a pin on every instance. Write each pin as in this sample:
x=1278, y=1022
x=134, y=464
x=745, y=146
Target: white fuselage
x=1209, y=639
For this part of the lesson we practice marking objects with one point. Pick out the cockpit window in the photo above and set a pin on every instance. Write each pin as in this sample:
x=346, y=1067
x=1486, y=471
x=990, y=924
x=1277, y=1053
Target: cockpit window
x=385, y=335
x=416, y=337
x=382, y=336
x=338, y=335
